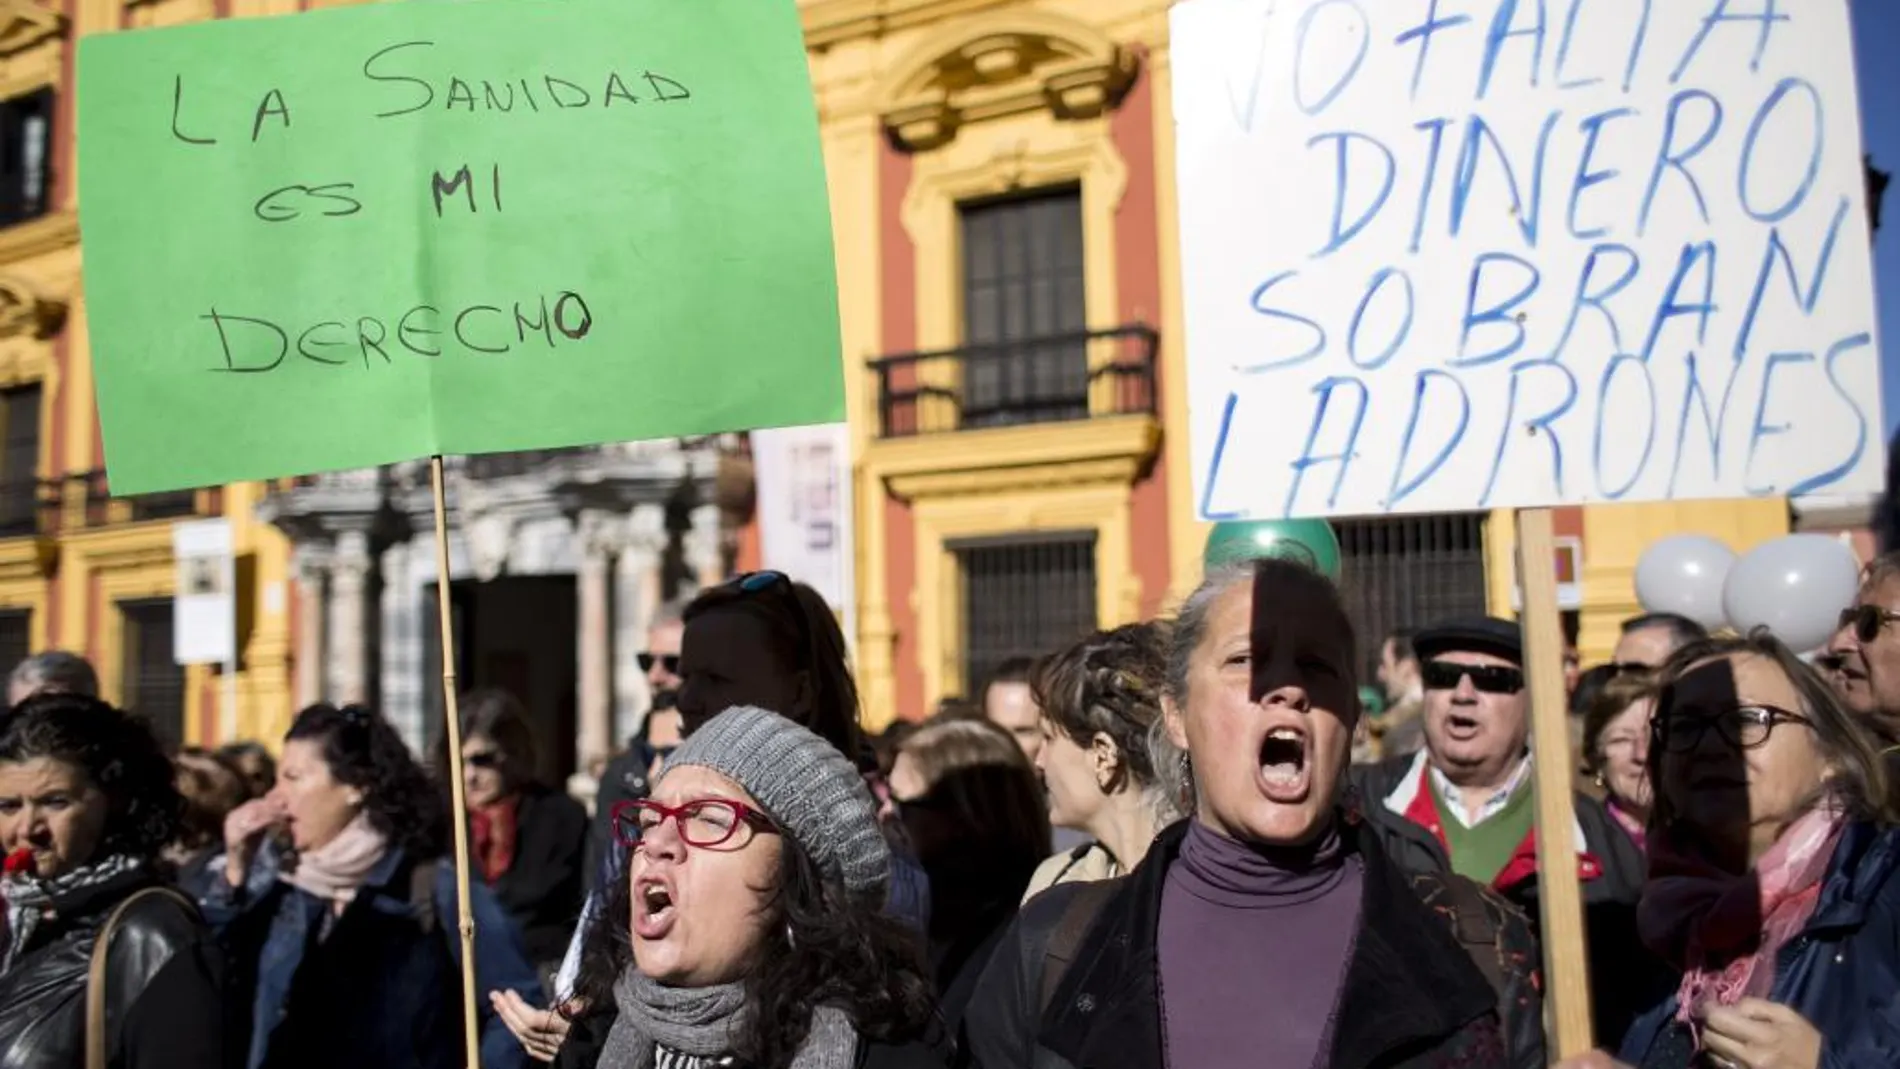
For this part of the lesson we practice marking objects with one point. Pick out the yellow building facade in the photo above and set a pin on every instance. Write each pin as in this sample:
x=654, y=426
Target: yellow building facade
x=81, y=570
x=937, y=116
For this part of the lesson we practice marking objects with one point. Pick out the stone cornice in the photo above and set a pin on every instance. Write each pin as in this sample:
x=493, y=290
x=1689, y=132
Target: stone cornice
x=832, y=22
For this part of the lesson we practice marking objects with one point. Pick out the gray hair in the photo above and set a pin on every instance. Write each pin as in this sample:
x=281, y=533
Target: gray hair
x=55, y=671
x=1190, y=621
x=1174, y=774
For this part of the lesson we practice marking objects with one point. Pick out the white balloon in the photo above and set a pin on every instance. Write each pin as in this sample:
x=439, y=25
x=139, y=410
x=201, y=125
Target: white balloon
x=1795, y=586
x=1685, y=574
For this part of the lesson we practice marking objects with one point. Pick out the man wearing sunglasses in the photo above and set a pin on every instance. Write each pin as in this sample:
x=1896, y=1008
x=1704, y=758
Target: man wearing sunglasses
x=1863, y=657
x=1468, y=797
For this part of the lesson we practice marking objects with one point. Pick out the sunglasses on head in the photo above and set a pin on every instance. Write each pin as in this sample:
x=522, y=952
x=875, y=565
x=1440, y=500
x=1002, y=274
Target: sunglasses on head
x=670, y=662
x=1487, y=678
x=1867, y=621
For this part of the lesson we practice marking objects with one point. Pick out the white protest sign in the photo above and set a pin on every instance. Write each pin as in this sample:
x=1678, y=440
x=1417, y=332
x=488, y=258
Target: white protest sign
x=803, y=476
x=1463, y=254
x=204, y=609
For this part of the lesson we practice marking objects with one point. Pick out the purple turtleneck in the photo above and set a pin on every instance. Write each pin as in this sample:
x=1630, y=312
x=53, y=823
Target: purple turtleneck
x=1253, y=949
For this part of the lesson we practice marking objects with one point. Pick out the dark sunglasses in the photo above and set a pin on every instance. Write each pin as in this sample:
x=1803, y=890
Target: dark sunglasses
x=702, y=822
x=489, y=760
x=1488, y=678
x=670, y=662
x=1867, y=621
x=1741, y=727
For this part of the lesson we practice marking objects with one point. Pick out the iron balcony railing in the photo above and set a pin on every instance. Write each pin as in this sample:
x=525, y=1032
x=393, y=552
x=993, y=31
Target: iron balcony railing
x=1049, y=379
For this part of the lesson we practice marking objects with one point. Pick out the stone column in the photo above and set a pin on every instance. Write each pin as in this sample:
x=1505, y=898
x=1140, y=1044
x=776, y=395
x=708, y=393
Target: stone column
x=404, y=687
x=597, y=536
x=637, y=593
x=702, y=547
x=349, y=618
x=310, y=565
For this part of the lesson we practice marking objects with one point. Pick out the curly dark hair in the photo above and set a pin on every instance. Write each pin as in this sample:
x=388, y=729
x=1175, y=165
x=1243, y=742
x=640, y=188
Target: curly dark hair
x=119, y=754
x=364, y=752
x=839, y=952
x=1109, y=683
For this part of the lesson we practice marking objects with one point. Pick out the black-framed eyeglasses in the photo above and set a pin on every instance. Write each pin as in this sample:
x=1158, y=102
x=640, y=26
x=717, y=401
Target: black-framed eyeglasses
x=1867, y=621
x=1741, y=727
x=669, y=662
x=703, y=822
x=1487, y=678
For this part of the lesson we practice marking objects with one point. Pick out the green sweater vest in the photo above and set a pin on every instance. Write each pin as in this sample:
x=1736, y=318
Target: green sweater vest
x=1481, y=853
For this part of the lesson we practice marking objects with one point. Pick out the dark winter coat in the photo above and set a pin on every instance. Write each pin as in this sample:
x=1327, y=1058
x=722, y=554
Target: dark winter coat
x=1842, y=972
x=542, y=890
x=1625, y=978
x=163, y=1003
x=1413, y=997
x=377, y=987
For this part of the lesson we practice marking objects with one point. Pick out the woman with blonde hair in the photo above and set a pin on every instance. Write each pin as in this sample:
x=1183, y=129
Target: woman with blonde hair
x=1101, y=703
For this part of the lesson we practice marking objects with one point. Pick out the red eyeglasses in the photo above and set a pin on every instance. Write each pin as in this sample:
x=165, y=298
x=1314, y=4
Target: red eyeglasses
x=700, y=822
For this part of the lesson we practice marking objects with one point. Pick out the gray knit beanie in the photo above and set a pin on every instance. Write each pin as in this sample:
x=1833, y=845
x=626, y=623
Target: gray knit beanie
x=804, y=784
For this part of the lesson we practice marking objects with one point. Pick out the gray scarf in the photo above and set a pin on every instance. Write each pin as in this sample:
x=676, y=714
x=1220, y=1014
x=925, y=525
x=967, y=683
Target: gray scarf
x=704, y=1022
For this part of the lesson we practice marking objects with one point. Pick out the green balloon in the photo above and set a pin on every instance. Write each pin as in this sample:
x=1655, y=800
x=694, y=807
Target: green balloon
x=1307, y=541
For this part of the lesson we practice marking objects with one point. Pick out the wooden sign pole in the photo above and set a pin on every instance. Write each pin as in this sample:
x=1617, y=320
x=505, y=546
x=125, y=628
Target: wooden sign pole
x=1566, y=967
x=465, y=911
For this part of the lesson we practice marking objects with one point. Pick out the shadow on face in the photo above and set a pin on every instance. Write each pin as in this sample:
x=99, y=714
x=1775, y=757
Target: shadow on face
x=729, y=657
x=1737, y=758
x=1269, y=711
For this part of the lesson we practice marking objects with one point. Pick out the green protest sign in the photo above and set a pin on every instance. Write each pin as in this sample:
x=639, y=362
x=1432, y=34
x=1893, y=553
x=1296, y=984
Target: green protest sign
x=369, y=234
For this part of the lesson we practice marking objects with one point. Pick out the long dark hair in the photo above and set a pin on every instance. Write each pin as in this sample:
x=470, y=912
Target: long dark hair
x=119, y=755
x=364, y=752
x=820, y=948
x=805, y=634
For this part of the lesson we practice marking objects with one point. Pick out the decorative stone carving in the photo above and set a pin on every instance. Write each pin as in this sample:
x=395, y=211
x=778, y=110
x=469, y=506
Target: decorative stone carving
x=24, y=24
x=489, y=537
x=996, y=71
x=24, y=312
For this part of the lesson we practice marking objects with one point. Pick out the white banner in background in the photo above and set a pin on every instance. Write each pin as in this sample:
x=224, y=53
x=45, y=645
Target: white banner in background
x=1510, y=253
x=803, y=476
x=204, y=608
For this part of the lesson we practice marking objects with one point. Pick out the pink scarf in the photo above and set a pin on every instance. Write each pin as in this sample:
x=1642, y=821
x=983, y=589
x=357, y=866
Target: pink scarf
x=1724, y=930
x=336, y=870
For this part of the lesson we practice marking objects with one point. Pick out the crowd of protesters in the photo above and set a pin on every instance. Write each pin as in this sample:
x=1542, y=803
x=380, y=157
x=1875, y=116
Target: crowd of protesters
x=1180, y=842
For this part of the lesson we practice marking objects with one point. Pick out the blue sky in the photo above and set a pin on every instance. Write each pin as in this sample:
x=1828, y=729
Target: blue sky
x=1877, y=40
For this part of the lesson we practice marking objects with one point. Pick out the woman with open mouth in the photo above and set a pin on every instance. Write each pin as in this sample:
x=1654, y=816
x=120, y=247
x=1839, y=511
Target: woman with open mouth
x=1272, y=929
x=748, y=930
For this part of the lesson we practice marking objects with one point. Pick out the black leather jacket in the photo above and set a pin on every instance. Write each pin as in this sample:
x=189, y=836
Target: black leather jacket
x=162, y=1000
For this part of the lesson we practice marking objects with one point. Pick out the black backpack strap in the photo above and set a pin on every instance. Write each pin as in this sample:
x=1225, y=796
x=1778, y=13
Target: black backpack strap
x=422, y=895
x=1066, y=940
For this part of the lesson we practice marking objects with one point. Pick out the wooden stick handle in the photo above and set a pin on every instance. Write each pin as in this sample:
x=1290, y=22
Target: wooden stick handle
x=464, y=906
x=1566, y=967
